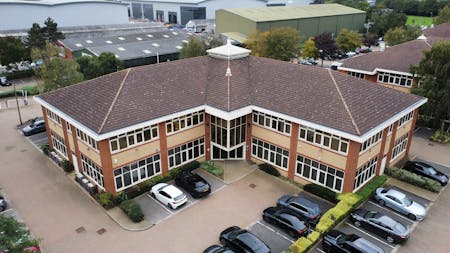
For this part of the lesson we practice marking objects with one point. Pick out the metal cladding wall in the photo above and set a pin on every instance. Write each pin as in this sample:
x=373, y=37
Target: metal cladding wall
x=230, y=22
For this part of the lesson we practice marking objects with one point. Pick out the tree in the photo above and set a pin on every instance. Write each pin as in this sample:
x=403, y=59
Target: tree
x=14, y=237
x=12, y=51
x=348, y=40
x=213, y=41
x=399, y=35
x=385, y=20
x=195, y=47
x=358, y=4
x=326, y=43
x=36, y=37
x=310, y=50
x=370, y=39
x=51, y=31
x=282, y=43
x=92, y=66
x=434, y=73
x=108, y=63
x=443, y=16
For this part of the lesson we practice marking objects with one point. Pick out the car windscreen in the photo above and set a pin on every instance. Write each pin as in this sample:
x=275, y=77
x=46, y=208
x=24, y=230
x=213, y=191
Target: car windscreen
x=431, y=170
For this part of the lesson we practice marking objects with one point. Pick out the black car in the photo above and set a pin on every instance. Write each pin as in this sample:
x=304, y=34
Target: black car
x=193, y=184
x=302, y=206
x=337, y=242
x=37, y=126
x=380, y=224
x=218, y=249
x=241, y=240
x=4, y=81
x=2, y=204
x=426, y=170
x=287, y=220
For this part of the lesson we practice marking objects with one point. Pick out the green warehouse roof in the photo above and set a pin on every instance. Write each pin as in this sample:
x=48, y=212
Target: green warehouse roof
x=265, y=14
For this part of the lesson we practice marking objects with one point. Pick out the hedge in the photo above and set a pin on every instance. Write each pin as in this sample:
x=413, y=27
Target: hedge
x=367, y=190
x=67, y=166
x=32, y=90
x=269, y=169
x=414, y=179
x=211, y=168
x=18, y=74
x=322, y=192
x=132, y=210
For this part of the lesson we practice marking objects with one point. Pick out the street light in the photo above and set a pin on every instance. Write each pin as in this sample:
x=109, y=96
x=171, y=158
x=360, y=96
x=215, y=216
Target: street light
x=17, y=103
x=321, y=57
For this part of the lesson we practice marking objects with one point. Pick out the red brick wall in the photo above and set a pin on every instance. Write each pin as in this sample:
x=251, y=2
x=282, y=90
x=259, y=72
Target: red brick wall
x=351, y=166
x=163, y=147
x=47, y=128
x=248, y=138
x=391, y=144
x=107, y=167
x=207, y=136
x=293, y=150
x=372, y=78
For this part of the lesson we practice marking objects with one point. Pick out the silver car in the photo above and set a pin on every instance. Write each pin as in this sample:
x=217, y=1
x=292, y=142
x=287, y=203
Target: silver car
x=400, y=202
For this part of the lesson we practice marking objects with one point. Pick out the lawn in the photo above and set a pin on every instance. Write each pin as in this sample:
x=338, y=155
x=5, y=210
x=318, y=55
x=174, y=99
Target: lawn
x=419, y=20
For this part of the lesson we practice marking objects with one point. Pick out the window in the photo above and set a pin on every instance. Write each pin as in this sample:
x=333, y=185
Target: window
x=405, y=119
x=133, y=138
x=390, y=129
x=365, y=173
x=137, y=172
x=228, y=133
x=356, y=74
x=59, y=144
x=51, y=115
x=319, y=173
x=87, y=139
x=272, y=122
x=92, y=171
x=399, y=146
x=186, y=152
x=324, y=139
x=68, y=126
x=396, y=79
x=184, y=122
x=270, y=153
x=371, y=141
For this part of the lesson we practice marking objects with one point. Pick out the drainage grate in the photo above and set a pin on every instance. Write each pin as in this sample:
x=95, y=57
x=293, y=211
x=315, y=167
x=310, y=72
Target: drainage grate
x=252, y=185
x=80, y=230
x=101, y=231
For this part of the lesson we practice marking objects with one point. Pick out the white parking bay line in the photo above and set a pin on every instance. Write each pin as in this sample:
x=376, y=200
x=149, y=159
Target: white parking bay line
x=218, y=189
x=159, y=203
x=376, y=238
x=391, y=211
x=320, y=250
x=273, y=230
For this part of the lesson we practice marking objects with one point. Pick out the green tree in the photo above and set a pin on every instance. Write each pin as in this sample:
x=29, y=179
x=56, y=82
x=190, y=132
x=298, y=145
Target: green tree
x=51, y=31
x=14, y=236
x=348, y=40
x=358, y=4
x=434, y=73
x=370, y=39
x=385, y=20
x=92, y=66
x=279, y=43
x=108, y=63
x=12, y=51
x=443, y=16
x=310, y=50
x=195, y=47
x=399, y=35
x=36, y=37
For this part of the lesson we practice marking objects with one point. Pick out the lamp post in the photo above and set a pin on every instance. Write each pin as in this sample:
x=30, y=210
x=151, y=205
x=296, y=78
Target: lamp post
x=321, y=57
x=17, y=102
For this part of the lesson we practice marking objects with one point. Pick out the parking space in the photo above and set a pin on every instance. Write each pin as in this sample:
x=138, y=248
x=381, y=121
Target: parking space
x=420, y=200
x=323, y=204
x=276, y=239
x=38, y=139
x=442, y=168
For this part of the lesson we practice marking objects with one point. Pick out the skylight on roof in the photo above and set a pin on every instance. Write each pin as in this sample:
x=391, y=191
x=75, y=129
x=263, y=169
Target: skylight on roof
x=121, y=38
x=79, y=45
x=147, y=51
x=139, y=38
x=166, y=36
x=121, y=49
x=89, y=41
x=179, y=47
x=174, y=33
x=108, y=42
x=155, y=44
x=149, y=35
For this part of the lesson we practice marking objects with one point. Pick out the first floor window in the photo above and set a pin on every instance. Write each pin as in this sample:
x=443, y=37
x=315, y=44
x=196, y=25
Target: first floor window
x=137, y=172
x=187, y=152
x=319, y=173
x=270, y=153
x=366, y=172
x=399, y=146
x=59, y=144
x=92, y=171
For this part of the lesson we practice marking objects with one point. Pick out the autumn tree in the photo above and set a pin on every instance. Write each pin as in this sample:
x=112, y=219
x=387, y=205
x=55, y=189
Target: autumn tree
x=325, y=44
x=348, y=40
x=399, y=35
x=370, y=39
x=310, y=50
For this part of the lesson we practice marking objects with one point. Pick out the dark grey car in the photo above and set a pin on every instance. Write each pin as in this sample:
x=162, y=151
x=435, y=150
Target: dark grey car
x=336, y=242
x=3, y=204
x=302, y=206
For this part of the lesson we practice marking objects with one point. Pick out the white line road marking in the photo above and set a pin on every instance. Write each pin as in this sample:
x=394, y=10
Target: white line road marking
x=320, y=250
x=276, y=232
x=376, y=238
x=220, y=188
x=391, y=211
x=159, y=203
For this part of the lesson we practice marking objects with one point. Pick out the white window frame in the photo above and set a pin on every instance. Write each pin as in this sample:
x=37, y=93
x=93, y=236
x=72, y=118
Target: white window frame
x=153, y=131
x=356, y=74
x=89, y=167
x=55, y=118
x=321, y=143
x=188, y=152
x=372, y=141
x=272, y=123
x=317, y=170
x=59, y=144
x=394, y=79
x=152, y=162
x=272, y=152
x=365, y=173
x=405, y=119
x=184, y=122
x=86, y=139
x=399, y=146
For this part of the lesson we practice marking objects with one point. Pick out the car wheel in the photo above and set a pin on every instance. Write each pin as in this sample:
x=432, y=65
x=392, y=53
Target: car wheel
x=2, y=208
x=293, y=234
x=390, y=239
x=412, y=216
x=357, y=223
x=381, y=202
x=170, y=206
x=266, y=219
x=152, y=194
x=223, y=242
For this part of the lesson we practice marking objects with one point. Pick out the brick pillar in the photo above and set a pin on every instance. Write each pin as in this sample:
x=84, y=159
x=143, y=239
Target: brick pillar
x=381, y=154
x=248, y=138
x=207, y=136
x=66, y=140
x=351, y=166
x=163, y=147
x=107, y=167
x=77, y=150
x=391, y=144
x=293, y=150
x=47, y=128
x=411, y=131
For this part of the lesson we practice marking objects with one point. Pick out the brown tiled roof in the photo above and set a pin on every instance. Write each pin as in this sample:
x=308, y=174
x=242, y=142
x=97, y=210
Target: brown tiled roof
x=440, y=32
x=317, y=95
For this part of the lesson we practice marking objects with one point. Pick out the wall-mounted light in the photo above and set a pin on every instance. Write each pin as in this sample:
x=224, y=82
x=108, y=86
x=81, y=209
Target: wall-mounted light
x=115, y=161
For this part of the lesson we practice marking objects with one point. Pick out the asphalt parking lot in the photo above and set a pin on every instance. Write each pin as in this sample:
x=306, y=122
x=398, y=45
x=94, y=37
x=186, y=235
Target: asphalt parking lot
x=155, y=211
x=38, y=139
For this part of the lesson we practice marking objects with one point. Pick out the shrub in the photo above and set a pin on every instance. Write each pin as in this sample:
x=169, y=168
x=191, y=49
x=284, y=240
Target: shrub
x=19, y=74
x=301, y=245
x=119, y=198
x=438, y=136
x=367, y=190
x=269, y=169
x=191, y=166
x=211, y=168
x=322, y=192
x=413, y=179
x=105, y=199
x=313, y=236
x=46, y=149
x=67, y=166
x=31, y=90
x=132, y=210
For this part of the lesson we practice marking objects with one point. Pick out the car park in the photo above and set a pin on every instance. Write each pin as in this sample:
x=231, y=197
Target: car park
x=302, y=206
x=193, y=183
x=218, y=249
x=4, y=81
x=380, y=224
x=3, y=203
x=337, y=242
x=426, y=170
x=37, y=126
x=287, y=220
x=241, y=240
x=168, y=195
x=400, y=202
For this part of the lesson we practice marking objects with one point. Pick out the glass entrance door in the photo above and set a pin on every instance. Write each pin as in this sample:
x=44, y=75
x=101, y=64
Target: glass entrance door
x=221, y=154
x=228, y=138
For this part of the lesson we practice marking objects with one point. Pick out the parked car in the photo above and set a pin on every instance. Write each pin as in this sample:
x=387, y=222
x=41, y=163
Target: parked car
x=241, y=240
x=3, y=204
x=337, y=242
x=302, y=206
x=365, y=50
x=380, y=224
x=169, y=195
x=400, y=202
x=287, y=220
x=4, y=81
x=38, y=126
x=308, y=61
x=218, y=249
x=426, y=170
x=193, y=184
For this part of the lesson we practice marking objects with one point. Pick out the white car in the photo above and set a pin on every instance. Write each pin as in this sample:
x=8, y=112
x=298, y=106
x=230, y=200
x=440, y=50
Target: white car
x=169, y=195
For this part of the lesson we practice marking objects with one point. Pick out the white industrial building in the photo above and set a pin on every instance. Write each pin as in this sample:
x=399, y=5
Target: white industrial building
x=21, y=14
x=181, y=11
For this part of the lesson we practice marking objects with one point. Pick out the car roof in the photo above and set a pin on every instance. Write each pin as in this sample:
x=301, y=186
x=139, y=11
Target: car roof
x=172, y=190
x=303, y=201
x=386, y=220
x=423, y=164
x=367, y=246
x=395, y=193
x=250, y=240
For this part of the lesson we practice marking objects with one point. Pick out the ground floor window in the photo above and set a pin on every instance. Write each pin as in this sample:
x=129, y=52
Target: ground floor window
x=366, y=172
x=186, y=152
x=399, y=146
x=59, y=144
x=92, y=171
x=270, y=153
x=137, y=172
x=396, y=79
x=319, y=173
x=356, y=74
